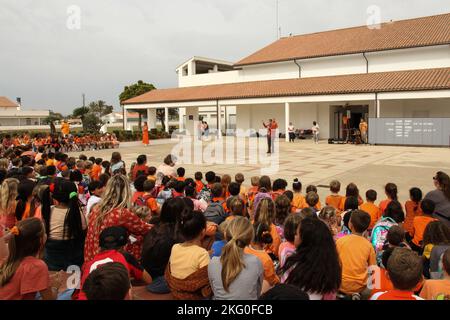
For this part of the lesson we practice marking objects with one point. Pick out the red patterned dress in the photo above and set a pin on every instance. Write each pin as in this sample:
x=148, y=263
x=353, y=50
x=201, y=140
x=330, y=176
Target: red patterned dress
x=116, y=217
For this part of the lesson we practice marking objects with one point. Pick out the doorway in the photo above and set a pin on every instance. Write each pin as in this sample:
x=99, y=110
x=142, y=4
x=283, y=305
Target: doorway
x=346, y=120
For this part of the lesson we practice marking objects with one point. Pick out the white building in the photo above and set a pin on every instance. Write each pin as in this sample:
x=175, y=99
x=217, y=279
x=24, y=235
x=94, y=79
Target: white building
x=13, y=117
x=400, y=71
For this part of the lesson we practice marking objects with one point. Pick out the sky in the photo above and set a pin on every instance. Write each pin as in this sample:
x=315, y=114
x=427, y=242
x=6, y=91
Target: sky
x=49, y=57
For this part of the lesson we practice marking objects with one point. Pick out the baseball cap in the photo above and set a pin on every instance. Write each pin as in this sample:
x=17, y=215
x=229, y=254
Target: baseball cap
x=113, y=238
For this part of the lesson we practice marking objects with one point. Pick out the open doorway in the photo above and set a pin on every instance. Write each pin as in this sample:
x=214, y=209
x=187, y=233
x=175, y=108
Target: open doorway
x=346, y=121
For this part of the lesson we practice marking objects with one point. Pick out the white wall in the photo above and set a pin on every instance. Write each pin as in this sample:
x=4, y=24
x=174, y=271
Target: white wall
x=383, y=61
x=418, y=108
x=410, y=59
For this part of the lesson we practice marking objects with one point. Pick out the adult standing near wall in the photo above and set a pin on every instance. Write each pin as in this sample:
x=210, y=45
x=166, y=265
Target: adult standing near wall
x=145, y=139
x=441, y=197
x=271, y=127
x=291, y=132
x=315, y=130
x=363, y=130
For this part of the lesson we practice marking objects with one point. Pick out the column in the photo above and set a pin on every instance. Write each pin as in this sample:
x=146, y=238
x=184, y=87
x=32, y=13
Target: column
x=166, y=118
x=151, y=118
x=286, y=120
x=125, y=124
x=378, y=108
x=219, y=121
x=39, y=121
x=181, y=113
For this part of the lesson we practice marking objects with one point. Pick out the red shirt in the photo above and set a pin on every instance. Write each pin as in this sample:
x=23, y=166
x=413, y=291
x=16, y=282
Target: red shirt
x=199, y=185
x=139, y=167
x=395, y=295
x=134, y=269
x=116, y=217
x=30, y=277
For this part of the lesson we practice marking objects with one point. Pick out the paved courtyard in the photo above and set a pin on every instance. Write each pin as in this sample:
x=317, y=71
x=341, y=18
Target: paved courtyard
x=367, y=166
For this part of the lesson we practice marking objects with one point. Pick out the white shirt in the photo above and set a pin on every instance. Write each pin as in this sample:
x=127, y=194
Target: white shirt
x=315, y=128
x=91, y=202
x=291, y=129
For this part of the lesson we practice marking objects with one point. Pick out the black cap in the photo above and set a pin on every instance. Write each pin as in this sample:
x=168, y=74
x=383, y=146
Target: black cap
x=113, y=238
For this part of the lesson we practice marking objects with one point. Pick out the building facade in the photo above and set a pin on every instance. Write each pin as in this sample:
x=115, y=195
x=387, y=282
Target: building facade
x=13, y=117
x=399, y=71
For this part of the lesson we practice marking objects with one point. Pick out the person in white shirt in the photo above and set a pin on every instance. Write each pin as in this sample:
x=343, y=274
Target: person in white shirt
x=315, y=130
x=291, y=132
x=96, y=189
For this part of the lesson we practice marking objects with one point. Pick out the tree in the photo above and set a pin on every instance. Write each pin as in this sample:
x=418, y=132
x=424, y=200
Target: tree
x=50, y=120
x=91, y=115
x=160, y=115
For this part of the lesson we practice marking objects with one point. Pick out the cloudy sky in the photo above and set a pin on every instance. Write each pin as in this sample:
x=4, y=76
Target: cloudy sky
x=49, y=65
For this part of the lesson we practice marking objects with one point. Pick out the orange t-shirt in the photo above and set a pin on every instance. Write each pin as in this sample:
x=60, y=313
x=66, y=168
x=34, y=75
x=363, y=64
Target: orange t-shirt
x=419, y=225
x=269, y=269
x=199, y=185
x=434, y=288
x=182, y=179
x=333, y=200
x=275, y=245
x=356, y=254
x=408, y=224
x=383, y=205
x=395, y=295
x=298, y=202
x=373, y=210
x=152, y=204
x=96, y=171
x=382, y=281
x=50, y=162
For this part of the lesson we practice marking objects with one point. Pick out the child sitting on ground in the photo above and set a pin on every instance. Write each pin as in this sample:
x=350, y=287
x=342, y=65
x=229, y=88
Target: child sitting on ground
x=198, y=181
x=439, y=289
x=239, y=179
x=312, y=200
x=152, y=174
x=23, y=275
x=187, y=272
x=371, y=208
x=404, y=269
x=261, y=239
x=180, y=173
x=96, y=189
x=412, y=209
x=356, y=254
x=298, y=202
x=331, y=219
x=312, y=188
x=112, y=243
x=391, y=193
x=237, y=208
x=251, y=193
x=265, y=213
x=290, y=230
x=110, y=281
x=420, y=223
x=282, y=211
x=216, y=248
x=334, y=199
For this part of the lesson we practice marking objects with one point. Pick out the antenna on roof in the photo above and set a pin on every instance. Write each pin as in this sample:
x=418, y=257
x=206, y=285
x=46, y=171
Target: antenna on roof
x=278, y=22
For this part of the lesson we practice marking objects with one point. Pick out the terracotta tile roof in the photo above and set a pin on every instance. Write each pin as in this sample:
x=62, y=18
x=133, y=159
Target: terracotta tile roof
x=425, y=31
x=411, y=80
x=5, y=102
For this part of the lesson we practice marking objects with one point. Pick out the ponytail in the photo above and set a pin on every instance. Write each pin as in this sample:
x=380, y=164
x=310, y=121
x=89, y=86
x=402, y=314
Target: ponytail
x=239, y=234
x=73, y=226
x=262, y=233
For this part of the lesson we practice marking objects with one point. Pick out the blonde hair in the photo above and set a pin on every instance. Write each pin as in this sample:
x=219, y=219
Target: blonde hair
x=239, y=233
x=4, y=163
x=265, y=212
x=255, y=181
x=117, y=195
x=8, y=195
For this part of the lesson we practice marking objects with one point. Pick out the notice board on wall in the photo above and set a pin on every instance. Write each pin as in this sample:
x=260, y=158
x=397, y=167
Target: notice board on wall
x=410, y=131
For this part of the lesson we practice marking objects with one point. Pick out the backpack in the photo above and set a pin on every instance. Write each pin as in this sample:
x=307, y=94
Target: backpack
x=205, y=194
x=142, y=200
x=215, y=212
x=379, y=235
